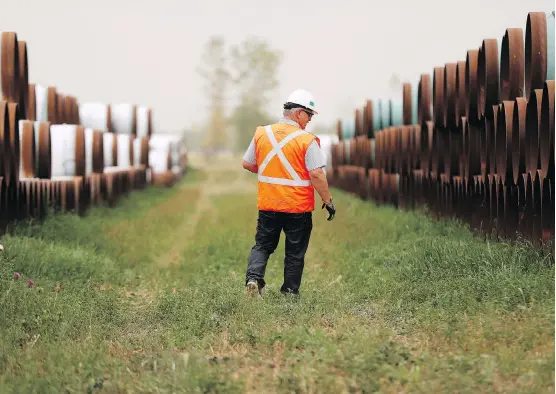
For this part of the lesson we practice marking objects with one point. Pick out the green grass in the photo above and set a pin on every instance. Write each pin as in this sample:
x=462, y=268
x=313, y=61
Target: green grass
x=390, y=301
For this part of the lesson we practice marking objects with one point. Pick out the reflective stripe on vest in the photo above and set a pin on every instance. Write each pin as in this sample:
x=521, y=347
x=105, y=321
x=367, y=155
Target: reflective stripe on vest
x=277, y=150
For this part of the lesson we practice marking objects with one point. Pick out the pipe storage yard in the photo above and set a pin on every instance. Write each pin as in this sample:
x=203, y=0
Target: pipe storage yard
x=475, y=139
x=58, y=152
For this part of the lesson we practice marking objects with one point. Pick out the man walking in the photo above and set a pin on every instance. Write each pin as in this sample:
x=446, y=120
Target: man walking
x=290, y=166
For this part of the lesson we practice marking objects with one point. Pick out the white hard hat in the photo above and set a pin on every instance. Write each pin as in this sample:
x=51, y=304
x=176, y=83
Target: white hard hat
x=301, y=98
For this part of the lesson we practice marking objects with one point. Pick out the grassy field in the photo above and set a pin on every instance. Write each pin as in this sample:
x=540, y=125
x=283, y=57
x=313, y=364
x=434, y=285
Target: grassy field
x=149, y=297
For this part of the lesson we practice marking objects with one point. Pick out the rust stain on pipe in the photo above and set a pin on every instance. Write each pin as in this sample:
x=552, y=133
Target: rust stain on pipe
x=450, y=96
x=504, y=165
x=23, y=77
x=535, y=52
x=519, y=144
x=11, y=89
x=512, y=65
x=533, y=117
x=546, y=130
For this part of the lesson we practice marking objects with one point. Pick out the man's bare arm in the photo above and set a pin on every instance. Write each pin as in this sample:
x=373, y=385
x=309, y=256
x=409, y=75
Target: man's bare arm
x=318, y=179
x=250, y=167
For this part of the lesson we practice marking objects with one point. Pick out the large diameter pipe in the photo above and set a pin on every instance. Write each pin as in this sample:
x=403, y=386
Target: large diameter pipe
x=519, y=144
x=28, y=148
x=424, y=104
x=94, y=151
x=124, y=118
x=533, y=117
x=504, y=134
x=438, y=96
x=68, y=150
x=9, y=67
x=144, y=122
x=450, y=96
x=31, y=103
x=488, y=70
x=125, y=150
x=96, y=116
x=472, y=86
x=12, y=153
x=512, y=65
x=110, y=145
x=23, y=77
x=43, y=145
x=539, y=50
x=461, y=97
x=546, y=130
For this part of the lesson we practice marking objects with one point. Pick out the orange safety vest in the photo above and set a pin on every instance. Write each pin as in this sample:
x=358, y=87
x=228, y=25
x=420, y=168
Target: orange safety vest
x=284, y=184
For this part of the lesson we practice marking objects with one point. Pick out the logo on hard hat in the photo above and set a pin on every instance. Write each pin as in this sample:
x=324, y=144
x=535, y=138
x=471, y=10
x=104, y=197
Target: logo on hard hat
x=312, y=103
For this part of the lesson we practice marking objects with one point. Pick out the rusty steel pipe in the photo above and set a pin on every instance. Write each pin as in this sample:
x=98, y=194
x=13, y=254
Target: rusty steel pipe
x=472, y=86
x=535, y=52
x=438, y=96
x=519, y=144
x=424, y=99
x=512, y=64
x=28, y=149
x=44, y=149
x=407, y=104
x=13, y=150
x=437, y=152
x=9, y=67
x=504, y=131
x=404, y=166
x=471, y=149
x=461, y=97
x=60, y=108
x=533, y=117
x=31, y=103
x=52, y=105
x=23, y=77
x=416, y=147
x=427, y=134
x=452, y=151
x=4, y=139
x=488, y=142
x=358, y=128
x=546, y=131
x=488, y=75
x=450, y=95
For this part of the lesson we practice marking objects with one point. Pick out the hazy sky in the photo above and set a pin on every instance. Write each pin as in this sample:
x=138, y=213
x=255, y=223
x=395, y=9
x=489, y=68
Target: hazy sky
x=344, y=52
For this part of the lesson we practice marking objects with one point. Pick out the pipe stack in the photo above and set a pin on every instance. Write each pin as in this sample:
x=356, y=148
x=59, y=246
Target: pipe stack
x=477, y=143
x=57, y=153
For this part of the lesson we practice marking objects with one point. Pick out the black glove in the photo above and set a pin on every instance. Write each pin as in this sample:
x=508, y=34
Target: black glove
x=330, y=208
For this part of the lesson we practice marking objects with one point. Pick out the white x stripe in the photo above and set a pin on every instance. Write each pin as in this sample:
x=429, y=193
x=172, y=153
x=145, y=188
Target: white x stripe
x=277, y=150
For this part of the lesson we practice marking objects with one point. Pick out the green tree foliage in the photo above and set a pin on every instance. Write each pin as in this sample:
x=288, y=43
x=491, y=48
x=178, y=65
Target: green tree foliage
x=249, y=70
x=254, y=67
x=217, y=80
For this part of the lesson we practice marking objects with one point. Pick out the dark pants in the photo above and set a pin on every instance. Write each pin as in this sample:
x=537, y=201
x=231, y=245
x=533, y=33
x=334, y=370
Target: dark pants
x=297, y=227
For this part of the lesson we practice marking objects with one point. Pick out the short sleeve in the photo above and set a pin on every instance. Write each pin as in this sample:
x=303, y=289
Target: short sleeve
x=314, y=157
x=250, y=155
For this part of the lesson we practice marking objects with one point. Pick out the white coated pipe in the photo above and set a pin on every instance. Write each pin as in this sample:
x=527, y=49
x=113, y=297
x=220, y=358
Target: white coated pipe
x=143, y=121
x=41, y=99
x=123, y=118
x=124, y=146
x=95, y=116
x=108, y=144
x=63, y=140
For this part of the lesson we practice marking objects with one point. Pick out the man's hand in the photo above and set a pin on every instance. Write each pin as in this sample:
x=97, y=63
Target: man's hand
x=330, y=208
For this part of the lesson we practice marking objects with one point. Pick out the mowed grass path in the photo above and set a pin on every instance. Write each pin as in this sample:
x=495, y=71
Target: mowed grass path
x=149, y=297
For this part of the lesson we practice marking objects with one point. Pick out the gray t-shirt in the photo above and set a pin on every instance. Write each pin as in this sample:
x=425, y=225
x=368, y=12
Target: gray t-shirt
x=314, y=157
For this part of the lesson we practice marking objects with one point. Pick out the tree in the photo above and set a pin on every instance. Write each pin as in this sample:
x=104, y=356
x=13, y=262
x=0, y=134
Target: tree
x=254, y=74
x=217, y=79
